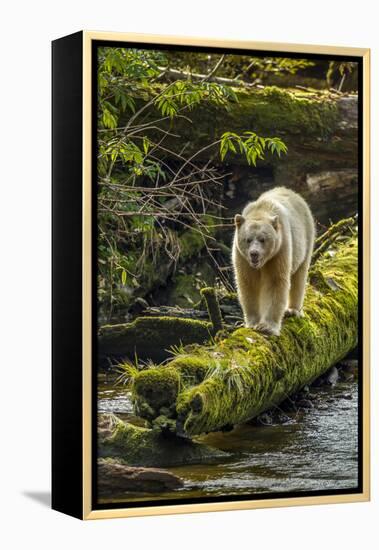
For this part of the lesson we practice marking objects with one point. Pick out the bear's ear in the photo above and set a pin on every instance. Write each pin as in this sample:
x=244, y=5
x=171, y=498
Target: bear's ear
x=238, y=220
x=275, y=222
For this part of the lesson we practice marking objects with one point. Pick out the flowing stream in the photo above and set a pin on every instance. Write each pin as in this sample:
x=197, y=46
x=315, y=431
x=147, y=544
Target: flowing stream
x=315, y=449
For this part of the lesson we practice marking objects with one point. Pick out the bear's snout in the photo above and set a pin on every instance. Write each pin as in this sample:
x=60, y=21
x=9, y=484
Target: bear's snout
x=254, y=257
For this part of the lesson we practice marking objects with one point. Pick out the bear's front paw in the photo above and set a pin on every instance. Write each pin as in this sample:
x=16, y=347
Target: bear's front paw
x=291, y=312
x=268, y=329
x=251, y=322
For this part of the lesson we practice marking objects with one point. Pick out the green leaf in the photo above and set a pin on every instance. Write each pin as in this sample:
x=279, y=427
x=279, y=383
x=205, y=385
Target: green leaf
x=146, y=145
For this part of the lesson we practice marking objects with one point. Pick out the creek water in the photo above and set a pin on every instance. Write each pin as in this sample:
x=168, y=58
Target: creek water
x=316, y=449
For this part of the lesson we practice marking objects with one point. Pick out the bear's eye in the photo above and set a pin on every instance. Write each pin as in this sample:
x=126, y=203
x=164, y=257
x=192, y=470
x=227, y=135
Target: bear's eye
x=249, y=240
x=261, y=240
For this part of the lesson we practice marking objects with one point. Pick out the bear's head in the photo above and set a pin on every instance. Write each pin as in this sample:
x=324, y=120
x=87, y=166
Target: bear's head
x=258, y=240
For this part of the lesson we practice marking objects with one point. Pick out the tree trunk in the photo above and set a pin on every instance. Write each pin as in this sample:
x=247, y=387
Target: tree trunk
x=244, y=373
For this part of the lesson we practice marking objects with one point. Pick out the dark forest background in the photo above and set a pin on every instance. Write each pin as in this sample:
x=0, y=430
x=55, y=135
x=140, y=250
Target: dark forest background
x=186, y=139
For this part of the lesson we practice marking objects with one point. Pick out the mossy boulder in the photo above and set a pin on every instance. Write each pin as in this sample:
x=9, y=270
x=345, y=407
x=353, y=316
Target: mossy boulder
x=137, y=446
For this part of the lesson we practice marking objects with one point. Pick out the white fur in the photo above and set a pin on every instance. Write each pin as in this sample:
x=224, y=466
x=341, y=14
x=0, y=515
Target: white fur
x=279, y=229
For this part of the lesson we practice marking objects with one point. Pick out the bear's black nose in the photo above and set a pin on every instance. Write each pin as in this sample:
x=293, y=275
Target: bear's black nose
x=254, y=256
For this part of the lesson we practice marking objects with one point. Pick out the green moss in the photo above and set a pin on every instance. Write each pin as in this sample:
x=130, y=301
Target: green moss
x=151, y=337
x=192, y=369
x=271, y=111
x=144, y=447
x=155, y=390
x=158, y=387
x=246, y=373
x=278, y=110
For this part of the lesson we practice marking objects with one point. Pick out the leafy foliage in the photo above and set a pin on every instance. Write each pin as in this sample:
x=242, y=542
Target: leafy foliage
x=190, y=94
x=251, y=145
x=149, y=190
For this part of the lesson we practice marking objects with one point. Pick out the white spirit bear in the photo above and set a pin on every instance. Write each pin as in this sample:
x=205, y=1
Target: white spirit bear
x=272, y=249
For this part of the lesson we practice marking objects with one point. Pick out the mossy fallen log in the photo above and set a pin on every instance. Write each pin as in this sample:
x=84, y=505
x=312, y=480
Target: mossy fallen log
x=151, y=337
x=246, y=372
x=300, y=116
x=137, y=446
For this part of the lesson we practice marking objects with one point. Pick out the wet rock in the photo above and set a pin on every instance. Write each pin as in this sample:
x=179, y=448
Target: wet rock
x=282, y=418
x=332, y=376
x=348, y=112
x=264, y=419
x=330, y=180
x=113, y=476
x=305, y=404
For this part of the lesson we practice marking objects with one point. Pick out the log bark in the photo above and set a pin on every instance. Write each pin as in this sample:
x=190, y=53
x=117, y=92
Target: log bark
x=245, y=373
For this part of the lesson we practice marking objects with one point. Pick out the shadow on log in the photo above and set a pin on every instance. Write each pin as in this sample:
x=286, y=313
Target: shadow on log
x=246, y=373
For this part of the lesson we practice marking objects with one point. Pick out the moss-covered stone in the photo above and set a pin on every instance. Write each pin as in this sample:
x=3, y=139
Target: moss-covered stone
x=158, y=387
x=144, y=447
